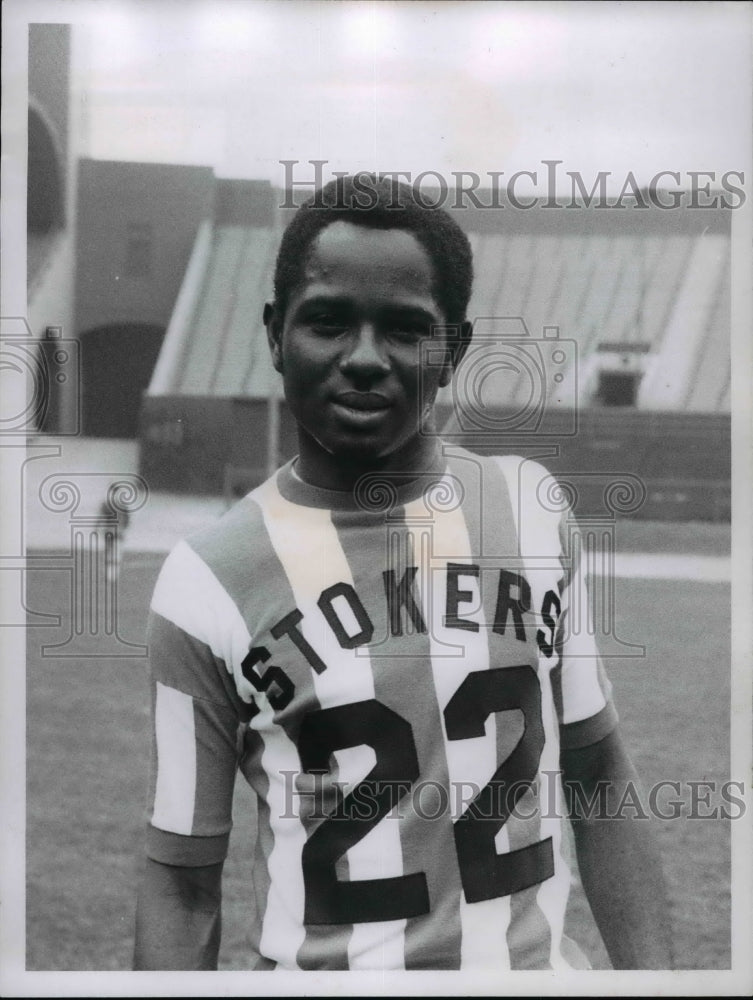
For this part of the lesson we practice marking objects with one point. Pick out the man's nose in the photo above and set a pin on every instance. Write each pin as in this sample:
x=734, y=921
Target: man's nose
x=365, y=356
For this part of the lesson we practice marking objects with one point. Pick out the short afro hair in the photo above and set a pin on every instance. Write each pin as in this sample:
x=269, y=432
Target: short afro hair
x=379, y=202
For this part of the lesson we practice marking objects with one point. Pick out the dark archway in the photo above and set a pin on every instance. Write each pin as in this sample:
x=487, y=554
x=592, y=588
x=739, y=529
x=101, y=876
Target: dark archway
x=117, y=362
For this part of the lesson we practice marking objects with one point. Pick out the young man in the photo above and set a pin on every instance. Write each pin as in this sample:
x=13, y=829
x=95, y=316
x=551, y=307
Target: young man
x=378, y=638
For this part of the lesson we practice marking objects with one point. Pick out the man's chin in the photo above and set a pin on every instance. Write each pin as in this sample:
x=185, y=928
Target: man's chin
x=369, y=453
x=362, y=452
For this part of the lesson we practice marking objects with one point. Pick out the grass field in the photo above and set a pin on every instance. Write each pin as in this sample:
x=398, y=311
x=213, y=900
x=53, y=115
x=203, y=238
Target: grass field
x=87, y=759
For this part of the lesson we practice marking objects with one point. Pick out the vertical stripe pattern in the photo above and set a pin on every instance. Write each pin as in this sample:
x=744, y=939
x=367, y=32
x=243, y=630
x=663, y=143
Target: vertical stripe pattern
x=311, y=562
x=539, y=542
x=453, y=653
x=403, y=681
x=489, y=514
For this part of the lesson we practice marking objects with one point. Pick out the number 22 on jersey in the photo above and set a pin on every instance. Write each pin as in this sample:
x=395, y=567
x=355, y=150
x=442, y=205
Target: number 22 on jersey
x=484, y=873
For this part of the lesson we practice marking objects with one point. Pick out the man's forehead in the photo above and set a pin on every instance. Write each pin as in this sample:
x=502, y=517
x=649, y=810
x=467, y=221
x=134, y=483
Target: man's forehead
x=345, y=248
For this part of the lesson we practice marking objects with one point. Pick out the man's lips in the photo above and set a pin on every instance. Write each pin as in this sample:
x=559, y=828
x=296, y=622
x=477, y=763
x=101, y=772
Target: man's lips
x=365, y=402
x=361, y=411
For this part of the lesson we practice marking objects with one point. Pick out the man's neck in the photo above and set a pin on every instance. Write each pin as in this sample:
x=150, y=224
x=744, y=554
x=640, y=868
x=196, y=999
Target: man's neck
x=319, y=468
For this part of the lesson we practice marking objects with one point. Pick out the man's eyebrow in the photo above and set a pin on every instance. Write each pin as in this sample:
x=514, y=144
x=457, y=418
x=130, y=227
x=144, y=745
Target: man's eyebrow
x=336, y=301
x=408, y=307
x=323, y=299
x=409, y=313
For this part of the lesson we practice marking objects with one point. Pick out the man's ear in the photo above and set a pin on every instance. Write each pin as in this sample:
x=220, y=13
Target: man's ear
x=274, y=334
x=456, y=347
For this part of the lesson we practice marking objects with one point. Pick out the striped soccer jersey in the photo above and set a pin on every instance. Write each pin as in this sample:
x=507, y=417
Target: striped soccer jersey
x=393, y=672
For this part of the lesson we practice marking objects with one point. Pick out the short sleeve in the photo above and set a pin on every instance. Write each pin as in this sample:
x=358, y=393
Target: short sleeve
x=582, y=691
x=196, y=720
x=549, y=541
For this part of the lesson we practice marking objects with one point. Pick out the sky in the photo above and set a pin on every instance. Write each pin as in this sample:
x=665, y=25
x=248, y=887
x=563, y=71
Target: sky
x=242, y=84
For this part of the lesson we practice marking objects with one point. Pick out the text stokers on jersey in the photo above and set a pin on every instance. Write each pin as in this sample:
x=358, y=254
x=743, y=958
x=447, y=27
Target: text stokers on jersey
x=350, y=622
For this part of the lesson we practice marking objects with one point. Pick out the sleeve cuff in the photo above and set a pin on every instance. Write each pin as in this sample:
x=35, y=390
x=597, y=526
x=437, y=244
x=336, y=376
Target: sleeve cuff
x=185, y=852
x=583, y=733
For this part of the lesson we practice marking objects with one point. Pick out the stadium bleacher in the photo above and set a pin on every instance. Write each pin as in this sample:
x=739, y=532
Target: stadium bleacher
x=224, y=353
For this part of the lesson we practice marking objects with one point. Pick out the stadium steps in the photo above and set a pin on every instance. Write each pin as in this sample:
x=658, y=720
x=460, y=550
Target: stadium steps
x=502, y=253
x=603, y=289
x=546, y=265
x=515, y=275
x=570, y=291
x=587, y=288
x=211, y=315
x=245, y=316
x=488, y=265
x=570, y=284
x=543, y=258
x=666, y=384
x=710, y=380
x=665, y=277
x=260, y=379
x=613, y=288
x=223, y=351
x=622, y=321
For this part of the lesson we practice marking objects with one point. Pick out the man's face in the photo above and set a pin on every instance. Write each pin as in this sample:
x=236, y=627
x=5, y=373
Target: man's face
x=349, y=347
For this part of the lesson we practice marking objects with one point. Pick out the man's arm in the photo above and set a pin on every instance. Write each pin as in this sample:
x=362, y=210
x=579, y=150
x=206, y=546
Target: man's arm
x=618, y=858
x=178, y=917
x=196, y=716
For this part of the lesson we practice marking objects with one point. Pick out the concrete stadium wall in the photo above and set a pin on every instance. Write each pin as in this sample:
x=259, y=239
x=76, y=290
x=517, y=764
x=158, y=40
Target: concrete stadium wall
x=650, y=465
x=210, y=445
x=137, y=225
x=243, y=203
x=185, y=443
x=117, y=201
x=612, y=462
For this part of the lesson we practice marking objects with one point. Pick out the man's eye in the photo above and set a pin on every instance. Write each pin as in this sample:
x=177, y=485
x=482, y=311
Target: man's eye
x=327, y=324
x=408, y=331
